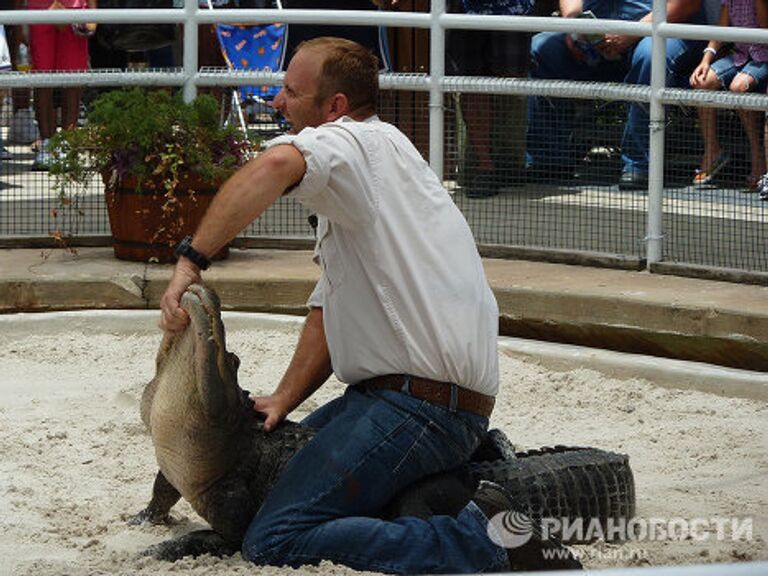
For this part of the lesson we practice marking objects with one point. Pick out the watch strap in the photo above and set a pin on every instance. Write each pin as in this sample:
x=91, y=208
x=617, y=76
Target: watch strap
x=185, y=249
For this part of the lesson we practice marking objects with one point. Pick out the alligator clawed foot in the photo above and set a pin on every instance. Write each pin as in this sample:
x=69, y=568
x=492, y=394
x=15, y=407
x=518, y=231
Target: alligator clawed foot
x=148, y=516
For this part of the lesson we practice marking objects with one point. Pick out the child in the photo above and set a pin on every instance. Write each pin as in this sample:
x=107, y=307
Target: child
x=745, y=69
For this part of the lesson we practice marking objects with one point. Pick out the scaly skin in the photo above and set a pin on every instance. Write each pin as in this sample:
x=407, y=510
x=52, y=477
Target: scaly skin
x=212, y=451
x=209, y=443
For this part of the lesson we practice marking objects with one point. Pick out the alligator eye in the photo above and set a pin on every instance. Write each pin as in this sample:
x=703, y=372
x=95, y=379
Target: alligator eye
x=234, y=360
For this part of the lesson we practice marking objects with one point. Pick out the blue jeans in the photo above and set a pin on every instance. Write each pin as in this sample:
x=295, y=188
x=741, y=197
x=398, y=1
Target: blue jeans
x=370, y=445
x=726, y=71
x=550, y=121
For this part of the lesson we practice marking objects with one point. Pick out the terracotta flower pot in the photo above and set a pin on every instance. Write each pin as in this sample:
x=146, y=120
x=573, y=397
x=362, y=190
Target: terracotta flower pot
x=147, y=223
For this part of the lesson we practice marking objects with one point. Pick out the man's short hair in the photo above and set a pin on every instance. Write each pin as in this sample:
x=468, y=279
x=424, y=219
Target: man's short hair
x=348, y=68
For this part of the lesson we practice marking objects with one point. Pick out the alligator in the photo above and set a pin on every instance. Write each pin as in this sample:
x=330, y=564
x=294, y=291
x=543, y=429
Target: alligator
x=212, y=450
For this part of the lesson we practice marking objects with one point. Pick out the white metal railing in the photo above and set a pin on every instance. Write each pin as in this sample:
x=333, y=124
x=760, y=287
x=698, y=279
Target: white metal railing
x=436, y=21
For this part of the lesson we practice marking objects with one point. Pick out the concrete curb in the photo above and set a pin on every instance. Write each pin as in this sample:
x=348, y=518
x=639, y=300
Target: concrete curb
x=690, y=319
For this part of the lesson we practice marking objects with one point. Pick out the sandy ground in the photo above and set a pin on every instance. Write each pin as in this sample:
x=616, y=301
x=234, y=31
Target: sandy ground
x=76, y=461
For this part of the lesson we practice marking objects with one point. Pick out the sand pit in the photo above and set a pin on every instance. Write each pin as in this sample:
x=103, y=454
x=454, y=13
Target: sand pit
x=77, y=462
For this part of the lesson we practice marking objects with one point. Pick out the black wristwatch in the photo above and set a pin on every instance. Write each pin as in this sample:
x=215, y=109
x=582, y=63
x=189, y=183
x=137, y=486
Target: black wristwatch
x=185, y=249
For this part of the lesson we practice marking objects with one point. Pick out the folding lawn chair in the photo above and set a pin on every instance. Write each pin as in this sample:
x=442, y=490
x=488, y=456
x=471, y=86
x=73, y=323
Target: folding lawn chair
x=254, y=47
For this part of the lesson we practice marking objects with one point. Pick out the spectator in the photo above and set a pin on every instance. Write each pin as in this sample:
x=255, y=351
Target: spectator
x=5, y=66
x=57, y=47
x=23, y=126
x=762, y=20
x=743, y=69
x=486, y=53
x=615, y=57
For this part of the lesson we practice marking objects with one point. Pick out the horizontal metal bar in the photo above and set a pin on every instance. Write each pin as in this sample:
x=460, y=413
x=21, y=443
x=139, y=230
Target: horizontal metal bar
x=552, y=88
x=211, y=76
x=720, y=33
x=412, y=81
x=99, y=15
x=102, y=77
x=385, y=18
x=544, y=24
x=714, y=99
x=335, y=17
x=203, y=16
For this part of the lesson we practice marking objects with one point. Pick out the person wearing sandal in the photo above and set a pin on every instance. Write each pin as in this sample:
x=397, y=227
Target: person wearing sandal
x=744, y=69
x=762, y=20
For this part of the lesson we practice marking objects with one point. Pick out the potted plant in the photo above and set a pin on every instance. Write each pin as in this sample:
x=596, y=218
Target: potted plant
x=161, y=161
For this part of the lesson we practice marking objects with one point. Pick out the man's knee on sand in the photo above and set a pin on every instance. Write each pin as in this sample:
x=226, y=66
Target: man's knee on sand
x=265, y=541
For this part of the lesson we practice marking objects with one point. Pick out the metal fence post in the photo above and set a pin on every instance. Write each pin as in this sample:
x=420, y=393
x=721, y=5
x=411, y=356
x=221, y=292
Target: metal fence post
x=436, y=74
x=655, y=230
x=190, y=49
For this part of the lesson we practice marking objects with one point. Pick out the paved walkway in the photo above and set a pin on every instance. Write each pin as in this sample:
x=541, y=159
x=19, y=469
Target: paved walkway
x=717, y=322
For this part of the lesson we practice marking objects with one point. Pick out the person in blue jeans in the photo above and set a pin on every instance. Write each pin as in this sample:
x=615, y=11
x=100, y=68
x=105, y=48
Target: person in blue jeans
x=611, y=58
x=402, y=313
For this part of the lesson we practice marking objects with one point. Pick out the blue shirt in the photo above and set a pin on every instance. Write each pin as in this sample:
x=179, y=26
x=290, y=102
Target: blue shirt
x=631, y=10
x=499, y=7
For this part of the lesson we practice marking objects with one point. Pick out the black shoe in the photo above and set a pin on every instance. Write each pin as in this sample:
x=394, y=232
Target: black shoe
x=492, y=499
x=527, y=549
x=633, y=181
x=483, y=185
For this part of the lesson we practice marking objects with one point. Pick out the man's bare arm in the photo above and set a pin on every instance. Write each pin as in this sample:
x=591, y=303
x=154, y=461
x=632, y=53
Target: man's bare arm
x=571, y=8
x=242, y=198
x=247, y=194
x=310, y=367
x=682, y=10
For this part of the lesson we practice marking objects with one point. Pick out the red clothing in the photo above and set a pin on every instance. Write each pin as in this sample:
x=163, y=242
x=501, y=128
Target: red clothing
x=45, y=4
x=57, y=48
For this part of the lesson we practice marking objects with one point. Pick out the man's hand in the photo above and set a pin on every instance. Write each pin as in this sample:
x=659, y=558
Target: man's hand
x=173, y=317
x=615, y=45
x=274, y=407
x=386, y=4
x=310, y=367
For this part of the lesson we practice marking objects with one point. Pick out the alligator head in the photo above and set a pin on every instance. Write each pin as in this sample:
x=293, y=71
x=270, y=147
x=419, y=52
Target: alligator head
x=194, y=407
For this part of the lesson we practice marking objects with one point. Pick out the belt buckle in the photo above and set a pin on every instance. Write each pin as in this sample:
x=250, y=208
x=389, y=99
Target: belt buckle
x=453, y=401
x=406, y=387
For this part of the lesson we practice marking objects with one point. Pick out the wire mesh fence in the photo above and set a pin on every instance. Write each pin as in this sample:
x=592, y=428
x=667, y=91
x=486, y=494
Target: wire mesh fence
x=579, y=207
x=577, y=203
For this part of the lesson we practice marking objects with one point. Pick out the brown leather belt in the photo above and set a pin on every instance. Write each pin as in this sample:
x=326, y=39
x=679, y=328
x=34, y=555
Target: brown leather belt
x=441, y=393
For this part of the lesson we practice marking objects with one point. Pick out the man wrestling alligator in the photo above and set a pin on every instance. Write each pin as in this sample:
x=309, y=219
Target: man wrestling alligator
x=402, y=313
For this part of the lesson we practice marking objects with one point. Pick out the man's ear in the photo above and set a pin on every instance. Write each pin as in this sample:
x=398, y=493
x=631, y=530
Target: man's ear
x=338, y=106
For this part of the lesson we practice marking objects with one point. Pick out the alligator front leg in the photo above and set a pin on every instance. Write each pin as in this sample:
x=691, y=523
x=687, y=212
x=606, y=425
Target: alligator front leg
x=192, y=545
x=164, y=496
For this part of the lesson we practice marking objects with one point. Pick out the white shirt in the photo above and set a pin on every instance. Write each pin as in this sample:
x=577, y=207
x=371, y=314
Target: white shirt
x=402, y=286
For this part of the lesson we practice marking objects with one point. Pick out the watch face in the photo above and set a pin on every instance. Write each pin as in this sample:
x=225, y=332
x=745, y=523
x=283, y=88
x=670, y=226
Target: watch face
x=181, y=248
